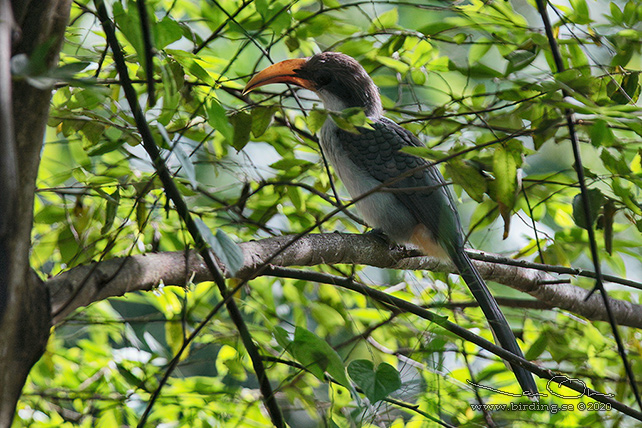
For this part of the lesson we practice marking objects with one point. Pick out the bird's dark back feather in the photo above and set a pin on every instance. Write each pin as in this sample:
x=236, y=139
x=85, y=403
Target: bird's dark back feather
x=422, y=189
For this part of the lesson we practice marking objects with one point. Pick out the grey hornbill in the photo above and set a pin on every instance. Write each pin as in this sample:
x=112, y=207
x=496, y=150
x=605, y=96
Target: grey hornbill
x=415, y=206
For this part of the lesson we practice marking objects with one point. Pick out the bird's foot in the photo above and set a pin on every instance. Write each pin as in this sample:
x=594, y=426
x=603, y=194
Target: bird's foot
x=396, y=251
x=383, y=237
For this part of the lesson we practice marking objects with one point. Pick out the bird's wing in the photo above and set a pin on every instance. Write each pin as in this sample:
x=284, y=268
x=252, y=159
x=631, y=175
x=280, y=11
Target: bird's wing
x=422, y=189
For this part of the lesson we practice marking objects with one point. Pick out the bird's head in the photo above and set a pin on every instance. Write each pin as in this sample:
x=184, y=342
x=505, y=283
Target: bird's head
x=338, y=80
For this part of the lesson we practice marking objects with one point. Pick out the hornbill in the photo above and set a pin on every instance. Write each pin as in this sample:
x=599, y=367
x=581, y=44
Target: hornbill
x=413, y=205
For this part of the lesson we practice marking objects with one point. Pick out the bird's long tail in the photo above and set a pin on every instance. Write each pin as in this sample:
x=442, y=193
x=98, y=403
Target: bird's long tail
x=502, y=331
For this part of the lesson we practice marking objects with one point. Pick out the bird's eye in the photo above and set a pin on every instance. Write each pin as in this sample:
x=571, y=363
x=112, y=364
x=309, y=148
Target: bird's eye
x=324, y=79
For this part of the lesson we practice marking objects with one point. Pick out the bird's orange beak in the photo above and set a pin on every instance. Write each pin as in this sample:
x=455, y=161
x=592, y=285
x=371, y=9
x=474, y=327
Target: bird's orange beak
x=281, y=72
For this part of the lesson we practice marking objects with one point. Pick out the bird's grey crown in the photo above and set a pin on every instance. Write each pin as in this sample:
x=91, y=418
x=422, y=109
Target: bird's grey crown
x=341, y=82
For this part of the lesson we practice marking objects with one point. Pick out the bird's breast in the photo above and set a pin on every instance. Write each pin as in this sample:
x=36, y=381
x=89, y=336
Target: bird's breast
x=381, y=210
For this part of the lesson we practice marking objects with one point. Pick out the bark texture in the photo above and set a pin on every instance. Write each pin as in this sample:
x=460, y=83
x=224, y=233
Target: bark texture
x=25, y=312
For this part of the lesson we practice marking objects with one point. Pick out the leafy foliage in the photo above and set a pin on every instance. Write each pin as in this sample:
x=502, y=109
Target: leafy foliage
x=474, y=80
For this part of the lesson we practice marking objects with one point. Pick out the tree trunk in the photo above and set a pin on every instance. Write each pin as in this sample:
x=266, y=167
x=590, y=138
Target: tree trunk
x=24, y=311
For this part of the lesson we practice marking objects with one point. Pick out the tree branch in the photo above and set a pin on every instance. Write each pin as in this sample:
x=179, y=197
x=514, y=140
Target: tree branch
x=83, y=285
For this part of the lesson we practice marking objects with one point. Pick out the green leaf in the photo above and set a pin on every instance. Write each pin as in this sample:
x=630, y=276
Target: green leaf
x=436, y=27
x=110, y=211
x=242, y=123
x=350, y=119
x=141, y=213
x=596, y=200
x=50, y=214
x=460, y=38
x=316, y=119
x=418, y=76
x=186, y=164
x=395, y=64
x=80, y=156
x=615, y=165
x=630, y=15
x=422, y=152
x=105, y=146
x=232, y=252
x=223, y=247
x=327, y=316
x=601, y=134
x=189, y=62
x=624, y=42
x=292, y=43
x=229, y=362
x=175, y=336
x=469, y=178
x=478, y=70
x=67, y=245
x=519, y=59
x=503, y=189
x=578, y=82
x=478, y=50
x=261, y=119
x=172, y=76
x=538, y=347
x=165, y=32
x=282, y=337
x=317, y=356
x=286, y=164
x=627, y=91
x=217, y=118
x=616, y=13
x=262, y=8
x=295, y=197
x=606, y=224
x=93, y=132
x=578, y=58
x=623, y=189
x=581, y=9
x=387, y=19
x=378, y=384
x=68, y=71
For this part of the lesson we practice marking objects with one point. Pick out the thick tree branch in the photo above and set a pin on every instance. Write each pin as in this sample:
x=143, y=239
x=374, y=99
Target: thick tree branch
x=85, y=284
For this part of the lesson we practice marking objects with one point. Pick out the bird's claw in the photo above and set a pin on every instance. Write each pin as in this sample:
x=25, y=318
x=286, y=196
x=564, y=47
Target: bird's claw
x=381, y=236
